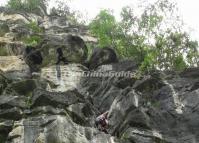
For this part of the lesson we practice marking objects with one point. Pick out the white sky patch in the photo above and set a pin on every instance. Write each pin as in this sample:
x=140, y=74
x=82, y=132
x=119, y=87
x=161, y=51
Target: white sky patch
x=189, y=10
x=90, y=8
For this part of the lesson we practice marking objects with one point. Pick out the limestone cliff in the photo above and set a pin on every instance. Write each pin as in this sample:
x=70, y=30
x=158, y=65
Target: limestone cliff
x=58, y=104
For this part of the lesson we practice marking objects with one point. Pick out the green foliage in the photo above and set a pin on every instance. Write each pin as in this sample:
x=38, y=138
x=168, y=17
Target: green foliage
x=34, y=27
x=15, y=4
x=25, y=5
x=3, y=51
x=29, y=100
x=63, y=9
x=103, y=27
x=3, y=29
x=179, y=63
x=125, y=136
x=148, y=62
x=156, y=104
x=32, y=40
x=153, y=38
x=192, y=53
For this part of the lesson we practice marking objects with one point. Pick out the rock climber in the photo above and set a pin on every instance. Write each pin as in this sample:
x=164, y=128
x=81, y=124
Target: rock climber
x=60, y=57
x=101, y=122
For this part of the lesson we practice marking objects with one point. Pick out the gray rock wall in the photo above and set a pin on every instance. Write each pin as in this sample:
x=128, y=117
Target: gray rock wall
x=52, y=107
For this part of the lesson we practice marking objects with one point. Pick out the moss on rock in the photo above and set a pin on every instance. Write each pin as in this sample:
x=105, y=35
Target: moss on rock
x=24, y=87
x=3, y=29
x=3, y=82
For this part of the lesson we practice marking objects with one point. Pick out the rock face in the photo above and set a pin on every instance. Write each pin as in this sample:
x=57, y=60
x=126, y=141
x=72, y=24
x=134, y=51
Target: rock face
x=14, y=67
x=63, y=78
x=157, y=108
x=4, y=29
x=102, y=56
x=48, y=31
x=59, y=103
x=33, y=58
x=73, y=47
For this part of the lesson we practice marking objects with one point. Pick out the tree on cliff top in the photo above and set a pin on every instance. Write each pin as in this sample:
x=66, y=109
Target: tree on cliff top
x=154, y=38
x=27, y=5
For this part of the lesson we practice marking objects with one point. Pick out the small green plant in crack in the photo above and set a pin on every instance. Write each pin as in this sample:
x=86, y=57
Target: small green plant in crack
x=3, y=51
x=158, y=140
x=29, y=101
x=33, y=26
x=32, y=40
x=4, y=28
x=124, y=136
x=155, y=104
x=137, y=75
x=35, y=37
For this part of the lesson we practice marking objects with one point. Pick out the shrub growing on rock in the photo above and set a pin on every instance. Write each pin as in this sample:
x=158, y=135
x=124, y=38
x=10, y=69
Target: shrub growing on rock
x=36, y=6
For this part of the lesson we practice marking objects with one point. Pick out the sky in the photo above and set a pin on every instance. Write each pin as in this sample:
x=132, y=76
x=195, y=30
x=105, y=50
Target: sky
x=189, y=10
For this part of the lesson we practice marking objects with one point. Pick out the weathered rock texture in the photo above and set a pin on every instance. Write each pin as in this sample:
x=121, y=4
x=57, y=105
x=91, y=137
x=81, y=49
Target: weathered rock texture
x=17, y=29
x=160, y=107
x=60, y=103
x=102, y=56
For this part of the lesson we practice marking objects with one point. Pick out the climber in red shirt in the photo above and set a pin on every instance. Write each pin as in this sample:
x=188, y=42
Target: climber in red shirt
x=101, y=122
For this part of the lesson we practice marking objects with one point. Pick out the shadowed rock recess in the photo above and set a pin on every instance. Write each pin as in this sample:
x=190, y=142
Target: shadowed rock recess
x=58, y=105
